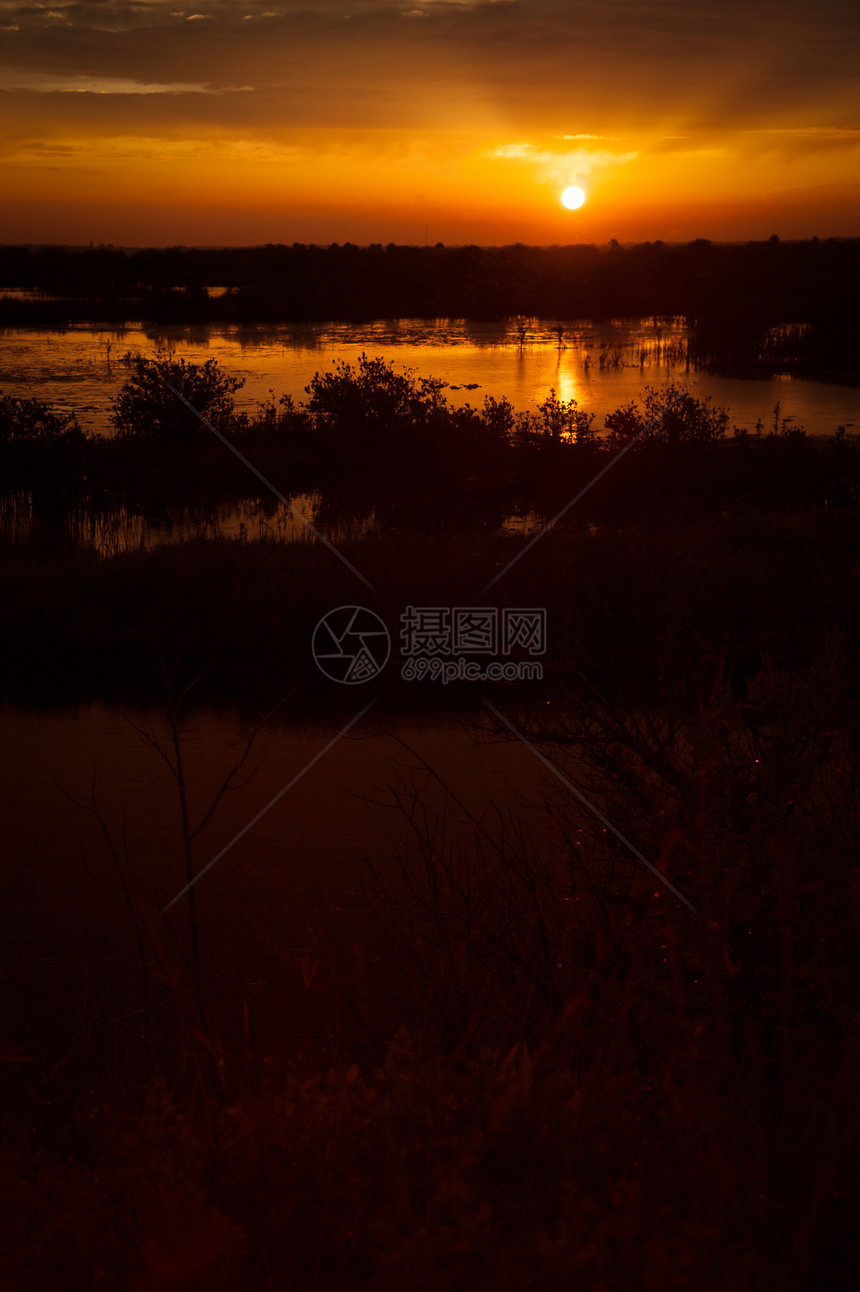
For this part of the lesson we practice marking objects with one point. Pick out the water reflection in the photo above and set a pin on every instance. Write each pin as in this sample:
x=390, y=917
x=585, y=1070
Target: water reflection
x=32, y=524
x=29, y=523
x=602, y=365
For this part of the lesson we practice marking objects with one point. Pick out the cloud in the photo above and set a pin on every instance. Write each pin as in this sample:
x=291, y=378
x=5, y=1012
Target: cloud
x=526, y=58
x=514, y=150
x=49, y=83
x=562, y=166
x=809, y=132
x=598, y=73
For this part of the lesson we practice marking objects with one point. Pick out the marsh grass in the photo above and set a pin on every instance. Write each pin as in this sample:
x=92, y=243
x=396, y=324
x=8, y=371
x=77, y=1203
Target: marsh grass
x=645, y=609
x=588, y=1082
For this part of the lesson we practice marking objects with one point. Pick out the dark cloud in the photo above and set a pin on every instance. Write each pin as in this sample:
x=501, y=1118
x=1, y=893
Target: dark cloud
x=728, y=59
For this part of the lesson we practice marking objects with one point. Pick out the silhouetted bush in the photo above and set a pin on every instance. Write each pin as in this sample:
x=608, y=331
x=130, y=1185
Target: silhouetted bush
x=374, y=406
x=563, y=420
x=148, y=407
x=30, y=421
x=39, y=447
x=671, y=416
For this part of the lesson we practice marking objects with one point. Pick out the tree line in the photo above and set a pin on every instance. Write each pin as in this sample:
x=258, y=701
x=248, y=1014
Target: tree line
x=786, y=282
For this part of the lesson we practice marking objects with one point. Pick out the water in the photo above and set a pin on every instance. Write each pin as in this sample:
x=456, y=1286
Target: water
x=600, y=365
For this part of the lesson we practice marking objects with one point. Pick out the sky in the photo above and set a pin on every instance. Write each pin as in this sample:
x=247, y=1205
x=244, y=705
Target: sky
x=140, y=123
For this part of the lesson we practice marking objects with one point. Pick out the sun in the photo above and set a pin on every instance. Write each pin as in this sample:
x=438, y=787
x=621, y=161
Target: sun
x=572, y=198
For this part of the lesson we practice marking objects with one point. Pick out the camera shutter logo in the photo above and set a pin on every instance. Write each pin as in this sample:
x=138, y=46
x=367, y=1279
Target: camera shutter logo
x=351, y=645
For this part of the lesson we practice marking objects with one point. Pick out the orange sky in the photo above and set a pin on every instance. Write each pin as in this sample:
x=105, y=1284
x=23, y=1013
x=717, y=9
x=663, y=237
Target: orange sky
x=137, y=123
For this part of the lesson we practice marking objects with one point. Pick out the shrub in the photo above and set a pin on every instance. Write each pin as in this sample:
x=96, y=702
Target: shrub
x=561, y=419
x=147, y=407
x=29, y=421
x=672, y=416
x=375, y=405
x=39, y=449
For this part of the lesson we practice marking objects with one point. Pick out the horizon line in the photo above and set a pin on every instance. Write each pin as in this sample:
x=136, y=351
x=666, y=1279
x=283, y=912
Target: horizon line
x=414, y=246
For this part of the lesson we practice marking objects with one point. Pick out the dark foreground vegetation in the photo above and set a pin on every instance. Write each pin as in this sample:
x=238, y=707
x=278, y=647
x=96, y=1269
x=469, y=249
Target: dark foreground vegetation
x=547, y=1071
x=372, y=439
x=760, y=306
x=430, y=487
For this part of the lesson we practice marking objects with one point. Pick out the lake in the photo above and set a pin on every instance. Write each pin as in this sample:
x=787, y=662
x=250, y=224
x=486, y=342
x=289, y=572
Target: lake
x=600, y=365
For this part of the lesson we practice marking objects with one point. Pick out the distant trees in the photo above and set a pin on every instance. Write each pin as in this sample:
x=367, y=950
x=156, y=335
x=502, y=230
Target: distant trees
x=731, y=295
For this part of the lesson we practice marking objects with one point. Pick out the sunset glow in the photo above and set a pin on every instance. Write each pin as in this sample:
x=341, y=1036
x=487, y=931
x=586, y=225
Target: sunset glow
x=453, y=122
